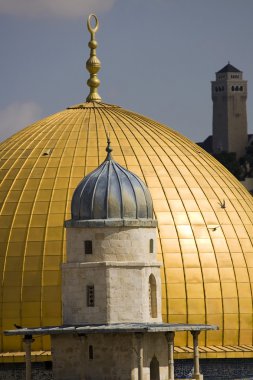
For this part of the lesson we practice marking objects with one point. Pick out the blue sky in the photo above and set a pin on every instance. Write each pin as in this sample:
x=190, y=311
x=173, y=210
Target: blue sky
x=158, y=57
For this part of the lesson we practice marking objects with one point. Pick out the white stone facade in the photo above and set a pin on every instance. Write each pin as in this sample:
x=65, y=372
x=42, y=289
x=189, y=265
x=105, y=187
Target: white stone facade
x=124, y=273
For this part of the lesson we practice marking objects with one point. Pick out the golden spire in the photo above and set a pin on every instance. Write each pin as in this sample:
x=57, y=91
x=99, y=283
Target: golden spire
x=93, y=64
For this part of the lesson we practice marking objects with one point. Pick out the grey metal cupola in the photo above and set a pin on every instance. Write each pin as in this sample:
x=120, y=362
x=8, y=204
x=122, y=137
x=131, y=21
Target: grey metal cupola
x=111, y=192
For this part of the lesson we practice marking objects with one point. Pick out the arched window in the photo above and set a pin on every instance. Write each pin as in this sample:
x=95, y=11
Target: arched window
x=151, y=246
x=90, y=352
x=236, y=89
x=154, y=369
x=241, y=88
x=152, y=297
x=233, y=88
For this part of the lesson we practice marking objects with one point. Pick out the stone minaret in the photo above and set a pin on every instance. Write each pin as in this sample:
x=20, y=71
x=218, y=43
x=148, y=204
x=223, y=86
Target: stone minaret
x=111, y=274
x=229, y=95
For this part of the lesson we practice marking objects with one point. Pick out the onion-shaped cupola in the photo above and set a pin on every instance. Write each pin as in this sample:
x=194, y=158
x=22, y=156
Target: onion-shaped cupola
x=111, y=192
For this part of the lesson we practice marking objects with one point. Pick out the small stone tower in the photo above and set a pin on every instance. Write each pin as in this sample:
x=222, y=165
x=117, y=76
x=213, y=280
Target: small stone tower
x=229, y=95
x=111, y=274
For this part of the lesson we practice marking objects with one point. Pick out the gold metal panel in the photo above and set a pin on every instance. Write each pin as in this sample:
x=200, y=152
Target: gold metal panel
x=175, y=275
x=224, y=260
x=12, y=278
x=51, y=278
x=31, y=278
x=245, y=306
x=38, y=220
x=191, y=260
x=244, y=289
x=36, y=234
x=214, y=306
x=227, y=275
x=177, y=306
x=231, y=321
x=13, y=264
x=188, y=245
x=33, y=263
x=185, y=232
x=31, y=309
x=241, y=274
x=11, y=294
x=212, y=290
x=196, y=307
x=205, y=246
x=51, y=308
x=51, y=293
x=229, y=289
x=176, y=291
x=53, y=247
x=195, y=290
x=230, y=305
x=168, y=230
x=173, y=260
x=52, y=263
x=180, y=217
x=208, y=260
x=210, y=275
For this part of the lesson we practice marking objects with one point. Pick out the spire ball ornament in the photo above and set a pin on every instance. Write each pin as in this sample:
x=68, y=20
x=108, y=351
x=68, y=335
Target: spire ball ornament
x=93, y=64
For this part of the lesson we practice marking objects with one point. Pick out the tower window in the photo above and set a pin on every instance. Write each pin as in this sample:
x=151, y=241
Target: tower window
x=233, y=88
x=90, y=352
x=151, y=246
x=241, y=88
x=88, y=247
x=90, y=296
x=152, y=297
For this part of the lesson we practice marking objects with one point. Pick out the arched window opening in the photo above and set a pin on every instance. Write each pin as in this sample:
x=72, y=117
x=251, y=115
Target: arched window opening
x=152, y=297
x=236, y=89
x=151, y=246
x=241, y=88
x=154, y=369
x=90, y=352
x=233, y=88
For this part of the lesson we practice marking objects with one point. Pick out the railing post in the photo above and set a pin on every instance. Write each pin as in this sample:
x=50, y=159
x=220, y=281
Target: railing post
x=170, y=339
x=28, y=340
x=197, y=375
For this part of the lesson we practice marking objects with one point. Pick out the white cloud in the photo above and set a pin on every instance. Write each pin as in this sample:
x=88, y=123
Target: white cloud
x=17, y=116
x=60, y=8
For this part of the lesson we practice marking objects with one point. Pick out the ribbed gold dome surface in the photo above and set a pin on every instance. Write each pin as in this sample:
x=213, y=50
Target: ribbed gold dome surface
x=204, y=214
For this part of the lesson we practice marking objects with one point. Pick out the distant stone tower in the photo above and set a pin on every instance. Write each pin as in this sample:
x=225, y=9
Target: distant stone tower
x=229, y=95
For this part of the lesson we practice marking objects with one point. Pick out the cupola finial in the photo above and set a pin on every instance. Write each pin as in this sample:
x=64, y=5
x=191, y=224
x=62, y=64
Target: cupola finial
x=93, y=64
x=108, y=149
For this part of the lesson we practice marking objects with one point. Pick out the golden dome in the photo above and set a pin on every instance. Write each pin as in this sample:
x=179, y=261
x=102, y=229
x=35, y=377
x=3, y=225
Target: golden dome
x=204, y=220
